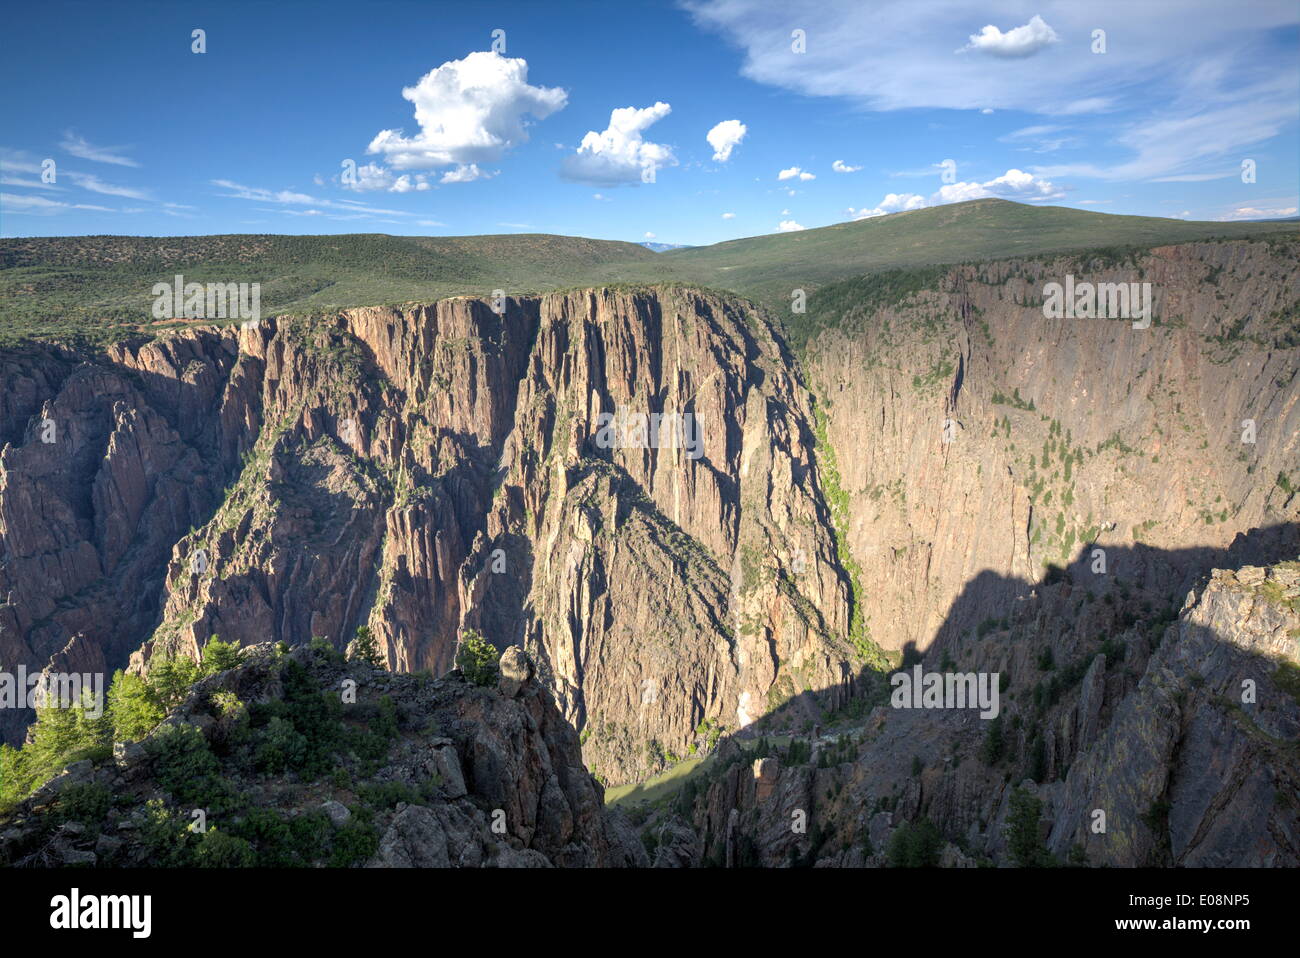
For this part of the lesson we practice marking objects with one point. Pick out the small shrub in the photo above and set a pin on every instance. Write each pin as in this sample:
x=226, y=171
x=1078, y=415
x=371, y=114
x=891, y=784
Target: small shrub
x=217, y=849
x=85, y=802
x=477, y=659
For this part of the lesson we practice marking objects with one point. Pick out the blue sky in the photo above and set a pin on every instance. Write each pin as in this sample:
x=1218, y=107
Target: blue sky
x=595, y=118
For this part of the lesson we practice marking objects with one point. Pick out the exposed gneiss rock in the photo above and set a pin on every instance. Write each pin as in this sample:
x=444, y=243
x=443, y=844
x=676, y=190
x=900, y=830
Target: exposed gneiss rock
x=422, y=470
x=1066, y=434
x=1143, y=741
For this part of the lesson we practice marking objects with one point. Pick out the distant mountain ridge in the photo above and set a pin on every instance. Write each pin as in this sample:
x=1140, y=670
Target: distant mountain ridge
x=663, y=247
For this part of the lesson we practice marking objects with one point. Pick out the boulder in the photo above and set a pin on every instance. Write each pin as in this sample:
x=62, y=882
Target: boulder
x=337, y=812
x=515, y=671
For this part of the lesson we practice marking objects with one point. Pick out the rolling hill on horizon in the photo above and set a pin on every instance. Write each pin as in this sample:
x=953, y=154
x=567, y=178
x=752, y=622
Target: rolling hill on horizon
x=98, y=288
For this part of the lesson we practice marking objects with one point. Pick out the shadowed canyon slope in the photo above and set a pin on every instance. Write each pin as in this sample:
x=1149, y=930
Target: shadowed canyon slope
x=1139, y=735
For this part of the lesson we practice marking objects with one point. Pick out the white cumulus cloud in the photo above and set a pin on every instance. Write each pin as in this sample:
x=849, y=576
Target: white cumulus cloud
x=1015, y=43
x=793, y=172
x=466, y=173
x=788, y=226
x=371, y=176
x=1011, y=185
x=469, y=111
x=839, y=166
x=619, y=154
x=725, y=137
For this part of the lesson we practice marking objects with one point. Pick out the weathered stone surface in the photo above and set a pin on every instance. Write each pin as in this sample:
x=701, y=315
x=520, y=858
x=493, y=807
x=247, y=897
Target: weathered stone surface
x=338, y=812
x=1152, y=421
x=515, y=671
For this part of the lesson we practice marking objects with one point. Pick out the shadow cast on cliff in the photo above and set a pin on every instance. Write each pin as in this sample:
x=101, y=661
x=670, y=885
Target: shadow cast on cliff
x=1166, y=822
x=991, y=600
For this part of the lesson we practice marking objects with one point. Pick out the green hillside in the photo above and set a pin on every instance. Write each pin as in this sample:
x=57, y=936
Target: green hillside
x=767, y=268
x=99, y=287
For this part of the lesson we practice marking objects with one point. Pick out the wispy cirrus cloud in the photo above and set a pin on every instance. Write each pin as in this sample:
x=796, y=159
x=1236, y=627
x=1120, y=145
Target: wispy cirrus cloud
x=1183, y=88
x=1258, y=212
x=285, y=199
x=1042, y=138
x=1180, y=144
x=81, y=148
x=44, y=205
x=91, y=182
x=20, y=168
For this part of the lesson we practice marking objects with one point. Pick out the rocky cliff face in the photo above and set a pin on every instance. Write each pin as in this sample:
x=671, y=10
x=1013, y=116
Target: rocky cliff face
x=422, y=470
x=1063, y=435
x=103, y=468
x=1144, y=741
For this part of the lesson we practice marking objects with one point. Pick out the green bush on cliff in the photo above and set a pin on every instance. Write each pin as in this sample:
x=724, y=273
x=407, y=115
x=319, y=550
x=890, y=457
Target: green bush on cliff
x=217, y=849
x=300, y=731
x=280, y=747
x=165, y=836
x=356, y=841
x=185, y=767
x=476, y=658
x=219, y=656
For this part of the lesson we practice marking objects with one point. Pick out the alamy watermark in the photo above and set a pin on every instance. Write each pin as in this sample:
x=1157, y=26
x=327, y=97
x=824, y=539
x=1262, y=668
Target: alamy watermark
x=38, y=690
x=1098, y=301
x=182, y=300
x=946, y=690
x=633, y=430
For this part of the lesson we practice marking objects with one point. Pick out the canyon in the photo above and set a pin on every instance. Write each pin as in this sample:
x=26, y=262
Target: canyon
x=931, y=469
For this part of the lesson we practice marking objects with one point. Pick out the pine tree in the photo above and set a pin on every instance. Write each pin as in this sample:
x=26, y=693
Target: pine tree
x=365, y=647
x=1024, y=839
x=133, y=710
x=219, y=656
x=991, y=751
